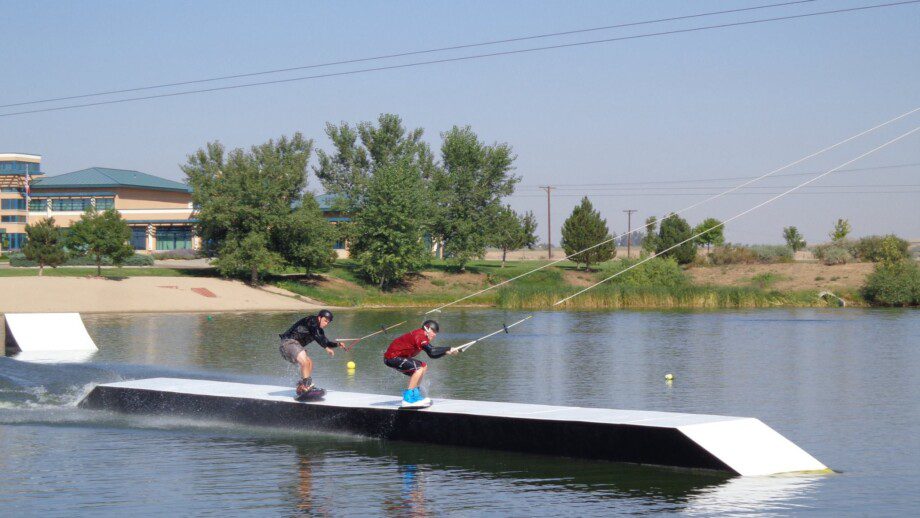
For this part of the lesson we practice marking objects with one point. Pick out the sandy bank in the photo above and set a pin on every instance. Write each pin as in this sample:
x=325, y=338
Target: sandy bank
x=140, y=294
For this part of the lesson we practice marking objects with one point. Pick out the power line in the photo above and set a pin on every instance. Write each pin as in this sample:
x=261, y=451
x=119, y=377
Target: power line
x=466, y=58
x=725, y=178
x=406, y=54
x=627, y=195
x=710, y=187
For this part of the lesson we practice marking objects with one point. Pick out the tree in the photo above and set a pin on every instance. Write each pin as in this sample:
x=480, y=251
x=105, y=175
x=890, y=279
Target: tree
x=101, y=235
x=794, y=239
x=841, y=230
x=675, y=229
x=585, y=228
x=711, y=232
x=651, y=228
x=247, y=207
x=467, y=189
x=529, y=227
x=508, y=232
x=305, y=239
x=45, y=245
x=359, y=151
x=389, y=234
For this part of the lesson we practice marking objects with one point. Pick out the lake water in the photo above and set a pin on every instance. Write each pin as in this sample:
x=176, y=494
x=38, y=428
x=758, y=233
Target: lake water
x=842, y=384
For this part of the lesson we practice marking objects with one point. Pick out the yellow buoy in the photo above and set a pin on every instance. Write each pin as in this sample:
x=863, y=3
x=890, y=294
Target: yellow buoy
x=350, y=365
x=669, y=376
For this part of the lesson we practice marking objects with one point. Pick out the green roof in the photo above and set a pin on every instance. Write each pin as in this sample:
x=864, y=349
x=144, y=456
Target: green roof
x=104, y=177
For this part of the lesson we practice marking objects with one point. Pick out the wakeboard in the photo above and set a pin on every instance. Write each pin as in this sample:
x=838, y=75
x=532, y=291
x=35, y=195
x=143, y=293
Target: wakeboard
x=313, y=394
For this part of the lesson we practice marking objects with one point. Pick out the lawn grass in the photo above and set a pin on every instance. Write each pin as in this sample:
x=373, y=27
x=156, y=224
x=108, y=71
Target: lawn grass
x=108, y=272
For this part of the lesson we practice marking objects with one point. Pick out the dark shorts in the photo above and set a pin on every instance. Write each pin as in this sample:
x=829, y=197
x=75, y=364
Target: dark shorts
x=289, y=349
x=407, y=366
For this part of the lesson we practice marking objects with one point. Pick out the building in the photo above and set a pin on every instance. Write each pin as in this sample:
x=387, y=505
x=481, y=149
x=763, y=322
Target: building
x=15, y=171
x=159, y=211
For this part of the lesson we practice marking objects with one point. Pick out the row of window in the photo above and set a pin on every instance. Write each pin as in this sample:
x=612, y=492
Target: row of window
x=15, y=204
x=168, y=238
x=11, y=189
x=70, y=204
x=12, y=219
x=19, y=167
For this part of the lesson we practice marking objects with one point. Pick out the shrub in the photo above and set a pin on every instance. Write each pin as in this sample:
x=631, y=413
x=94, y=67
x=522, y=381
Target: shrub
x=877, y=249
x=660, y=271
x=179, y=254
x=895, y=284
x=832, y=255
x=770, y=254
x=732, y=254
x=136, y=260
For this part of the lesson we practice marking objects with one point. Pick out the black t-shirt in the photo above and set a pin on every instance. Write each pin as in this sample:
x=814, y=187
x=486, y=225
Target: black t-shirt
x=307, y=330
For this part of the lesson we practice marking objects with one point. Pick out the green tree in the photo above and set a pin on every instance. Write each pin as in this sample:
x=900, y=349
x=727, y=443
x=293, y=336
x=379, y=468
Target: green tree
x=246, y=207
x=507, y=232
x=649, y=241
x=674, y=230
x=794, y=239
x=389, y=242
x=529, y=227
x=468, y=188
x=841, y=230
x=585, y=228
x=45, y=245
x=360, y=150
x=305, y=239
x=101, y=235
x=711, y=232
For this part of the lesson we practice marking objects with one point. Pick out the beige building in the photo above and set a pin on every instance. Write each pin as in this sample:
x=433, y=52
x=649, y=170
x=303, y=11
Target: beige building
x=159, y=211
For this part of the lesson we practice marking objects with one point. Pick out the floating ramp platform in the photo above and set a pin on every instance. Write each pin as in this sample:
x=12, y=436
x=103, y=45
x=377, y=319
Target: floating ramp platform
x=739, y=445
x=40, y=333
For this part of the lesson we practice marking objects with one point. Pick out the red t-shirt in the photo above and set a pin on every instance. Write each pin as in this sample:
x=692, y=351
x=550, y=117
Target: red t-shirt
x=407, y=345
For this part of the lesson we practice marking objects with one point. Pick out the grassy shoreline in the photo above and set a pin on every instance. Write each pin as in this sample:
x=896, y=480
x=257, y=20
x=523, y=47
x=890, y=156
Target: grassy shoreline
x=439, y=284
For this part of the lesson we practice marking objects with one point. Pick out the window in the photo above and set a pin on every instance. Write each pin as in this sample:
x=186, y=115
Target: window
x=20, y=167
x=19, y=204
x=69, y=204
x=38, y=205
x=15, y=241
x=105, y=203
x=138, y=237
x=12, y=219
x=11, y=189
x=174, y=238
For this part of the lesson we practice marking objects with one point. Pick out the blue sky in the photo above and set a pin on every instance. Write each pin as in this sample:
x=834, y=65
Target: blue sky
x=722, y=103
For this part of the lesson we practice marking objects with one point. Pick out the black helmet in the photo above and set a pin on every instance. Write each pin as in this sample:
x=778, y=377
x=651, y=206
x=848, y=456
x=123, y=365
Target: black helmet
x=325, y=313
x=432, y=326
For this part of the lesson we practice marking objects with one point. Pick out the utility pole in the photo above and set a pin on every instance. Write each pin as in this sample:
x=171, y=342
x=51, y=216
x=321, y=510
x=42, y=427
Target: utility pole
x=549, y=228
x=629, y=213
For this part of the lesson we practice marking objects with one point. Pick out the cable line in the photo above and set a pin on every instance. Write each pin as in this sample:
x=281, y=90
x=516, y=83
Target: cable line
x=736, y=216
x=405, y=54
x=465, y=58
x=697, y=204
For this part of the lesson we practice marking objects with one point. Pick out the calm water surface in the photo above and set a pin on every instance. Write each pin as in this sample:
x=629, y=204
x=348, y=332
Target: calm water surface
x=842, y=384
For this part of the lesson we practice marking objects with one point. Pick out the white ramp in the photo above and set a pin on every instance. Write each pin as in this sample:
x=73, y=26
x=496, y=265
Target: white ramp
x=46, y=332
x=740, y=445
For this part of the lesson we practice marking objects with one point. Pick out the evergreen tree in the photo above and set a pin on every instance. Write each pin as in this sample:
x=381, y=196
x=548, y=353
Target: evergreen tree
x=246, y=207
x=507, y=232
x=468, y=188
x=649, y=242
x=585, y=228
x=101, y=235
x=711, y=232
x=674, y=230
x=389, y=226
x=794, y=239
x=45, y=244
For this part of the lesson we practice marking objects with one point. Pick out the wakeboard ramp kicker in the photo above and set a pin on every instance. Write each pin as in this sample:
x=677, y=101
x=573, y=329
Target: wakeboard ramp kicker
x=738, y=445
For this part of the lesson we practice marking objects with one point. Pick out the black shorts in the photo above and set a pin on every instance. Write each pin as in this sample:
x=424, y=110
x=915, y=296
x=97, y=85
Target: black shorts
x=407, y=366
